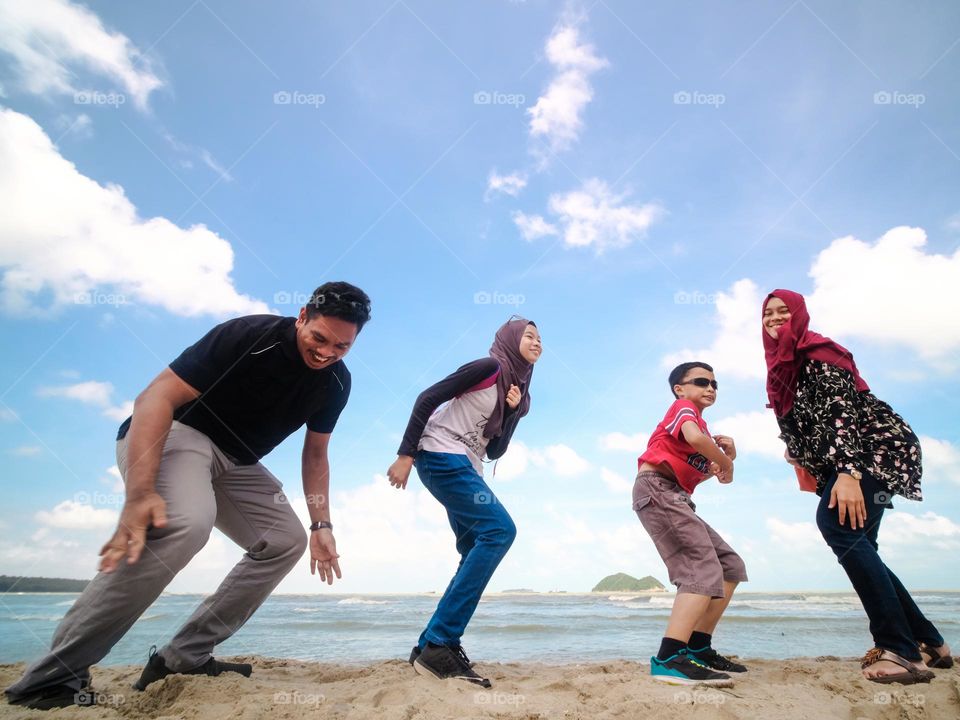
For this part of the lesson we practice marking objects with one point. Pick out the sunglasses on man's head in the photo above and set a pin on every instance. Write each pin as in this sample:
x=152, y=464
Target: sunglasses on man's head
x=701, y=382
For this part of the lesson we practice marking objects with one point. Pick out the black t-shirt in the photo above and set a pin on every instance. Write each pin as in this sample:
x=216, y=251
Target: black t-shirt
x=255, y=388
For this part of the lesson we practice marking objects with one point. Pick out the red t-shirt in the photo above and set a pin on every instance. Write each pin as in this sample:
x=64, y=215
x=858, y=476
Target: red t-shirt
x=668, y=446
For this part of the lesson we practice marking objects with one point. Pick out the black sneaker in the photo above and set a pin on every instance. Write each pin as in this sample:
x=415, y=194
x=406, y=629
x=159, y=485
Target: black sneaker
x=446, y=663
x=156, y=669
x=680, y=669
x=714, y=660
x=414, y=654
x=54, y=696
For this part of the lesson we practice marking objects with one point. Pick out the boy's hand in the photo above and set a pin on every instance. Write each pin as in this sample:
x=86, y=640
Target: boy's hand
x=726, y=477
x=399, y=472
x=725, y=443
x=513, y=397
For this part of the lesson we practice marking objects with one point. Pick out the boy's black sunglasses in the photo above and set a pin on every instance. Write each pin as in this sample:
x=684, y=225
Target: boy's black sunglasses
x=701, y=382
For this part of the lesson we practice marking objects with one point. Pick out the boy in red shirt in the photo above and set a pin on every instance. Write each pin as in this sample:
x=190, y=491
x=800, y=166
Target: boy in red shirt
x=680, y=455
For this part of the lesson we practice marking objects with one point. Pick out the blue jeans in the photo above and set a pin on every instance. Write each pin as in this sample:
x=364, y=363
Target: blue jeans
x=896, y=622
x=484, y=533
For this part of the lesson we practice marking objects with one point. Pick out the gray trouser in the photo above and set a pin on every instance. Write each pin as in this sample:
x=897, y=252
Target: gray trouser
x=203, y=489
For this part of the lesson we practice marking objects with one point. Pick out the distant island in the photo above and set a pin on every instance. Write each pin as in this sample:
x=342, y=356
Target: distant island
x=518, y=590
x=621, y=582
x=13, y=583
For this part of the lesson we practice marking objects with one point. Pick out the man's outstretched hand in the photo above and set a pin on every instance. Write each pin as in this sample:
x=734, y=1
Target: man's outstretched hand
x=323, y=555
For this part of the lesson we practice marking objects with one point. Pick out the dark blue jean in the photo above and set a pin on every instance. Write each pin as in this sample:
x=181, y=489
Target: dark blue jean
x=484, y=533
x=896, y=622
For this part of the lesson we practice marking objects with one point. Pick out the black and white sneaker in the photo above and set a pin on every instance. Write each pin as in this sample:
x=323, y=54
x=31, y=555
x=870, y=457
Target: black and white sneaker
x=715, y=661
x=156, y=669
x=680, y=669
x=447, y=663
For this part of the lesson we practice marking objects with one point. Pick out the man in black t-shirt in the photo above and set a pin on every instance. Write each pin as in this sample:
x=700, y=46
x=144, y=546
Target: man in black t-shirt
x=190, y=460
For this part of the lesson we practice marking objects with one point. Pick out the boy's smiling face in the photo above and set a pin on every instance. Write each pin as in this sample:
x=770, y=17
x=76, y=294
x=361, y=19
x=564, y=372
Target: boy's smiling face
x=702, y=397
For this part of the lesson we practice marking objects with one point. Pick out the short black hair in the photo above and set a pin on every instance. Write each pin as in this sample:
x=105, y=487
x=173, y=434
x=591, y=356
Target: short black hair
x=680, y=372
x=340, y=300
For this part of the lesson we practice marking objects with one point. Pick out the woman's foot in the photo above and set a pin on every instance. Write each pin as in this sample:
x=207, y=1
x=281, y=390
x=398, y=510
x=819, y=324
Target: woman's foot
x=884, y=666
x=936, y=657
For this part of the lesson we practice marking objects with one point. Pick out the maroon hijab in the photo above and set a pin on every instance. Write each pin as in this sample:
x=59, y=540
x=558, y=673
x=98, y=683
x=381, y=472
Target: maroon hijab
x=514, y=370
x=794, y=344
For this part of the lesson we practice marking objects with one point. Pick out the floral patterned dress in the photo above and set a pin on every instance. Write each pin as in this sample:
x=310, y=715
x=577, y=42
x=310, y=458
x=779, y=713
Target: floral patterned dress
x=834, y=428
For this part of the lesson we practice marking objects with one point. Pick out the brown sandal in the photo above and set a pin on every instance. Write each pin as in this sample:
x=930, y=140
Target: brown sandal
x=936, y=659
x=912, y=675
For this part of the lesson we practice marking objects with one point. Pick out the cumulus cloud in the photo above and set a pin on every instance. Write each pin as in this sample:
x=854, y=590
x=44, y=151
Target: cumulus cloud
x=91, y=392
x=894, y=277
x=737, y=349
x=798, y=536
x=904, y=532
x=557, y=116
x=559, y=460
x=71, y=515
x=941, y=460
x=67, y=238
x=635, y=443
x=52, y=41
x=592, y=216
x=615, y=482
x=753, y=432
x=510, y=184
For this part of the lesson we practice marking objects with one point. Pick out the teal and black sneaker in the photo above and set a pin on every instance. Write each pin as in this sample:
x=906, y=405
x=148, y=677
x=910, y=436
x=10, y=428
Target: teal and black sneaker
x=714, y=660
x=681, y=669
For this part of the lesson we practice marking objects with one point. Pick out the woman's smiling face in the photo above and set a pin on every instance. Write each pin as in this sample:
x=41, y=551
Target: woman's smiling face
x=775, y=314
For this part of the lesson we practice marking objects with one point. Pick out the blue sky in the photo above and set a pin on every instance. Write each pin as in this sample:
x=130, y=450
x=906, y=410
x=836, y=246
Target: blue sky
x=632, y=177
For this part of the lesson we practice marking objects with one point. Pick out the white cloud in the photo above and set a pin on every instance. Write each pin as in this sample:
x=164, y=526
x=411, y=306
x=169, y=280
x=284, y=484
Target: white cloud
x=66, y=236
x=27, y=451
x=870, y=303
x=737, y=349
x=615, y=482
x=557, y=114
x=80, y=126
x=533, y=227
x=51, y=40
x=753, y=432
x=635, y=443
x=510, y=184
x=592, y=216
x=905, y=533
x=941, y=460
x=798, y=537
x=70, y=515
x=92, y=392
x=559, y=460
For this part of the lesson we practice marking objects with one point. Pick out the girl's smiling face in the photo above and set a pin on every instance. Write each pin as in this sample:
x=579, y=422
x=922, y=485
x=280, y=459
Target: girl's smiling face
x=775, y=314
x=530, y=345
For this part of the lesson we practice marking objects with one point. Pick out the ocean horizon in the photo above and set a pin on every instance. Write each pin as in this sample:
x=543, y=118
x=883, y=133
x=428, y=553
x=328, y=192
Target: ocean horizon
x=553, y=627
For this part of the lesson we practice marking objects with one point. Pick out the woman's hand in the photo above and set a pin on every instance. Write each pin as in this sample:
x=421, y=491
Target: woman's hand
x=323, y=555
x=513, y=397
x=399, y=472
x=847, y=495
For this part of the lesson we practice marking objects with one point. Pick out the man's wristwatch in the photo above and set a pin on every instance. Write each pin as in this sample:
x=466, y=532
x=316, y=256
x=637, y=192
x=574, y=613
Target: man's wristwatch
x=321, y=524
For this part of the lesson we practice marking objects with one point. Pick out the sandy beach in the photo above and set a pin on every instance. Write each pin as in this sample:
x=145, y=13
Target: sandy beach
x=829, y=687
